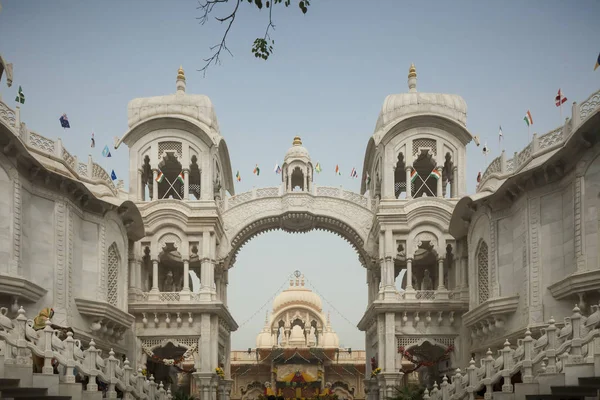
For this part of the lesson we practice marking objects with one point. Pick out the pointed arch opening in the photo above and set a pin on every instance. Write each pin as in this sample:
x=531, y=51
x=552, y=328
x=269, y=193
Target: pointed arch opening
x=400, y=177
x=425, y=183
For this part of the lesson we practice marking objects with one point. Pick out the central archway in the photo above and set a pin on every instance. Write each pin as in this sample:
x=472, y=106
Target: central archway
x=343, y=213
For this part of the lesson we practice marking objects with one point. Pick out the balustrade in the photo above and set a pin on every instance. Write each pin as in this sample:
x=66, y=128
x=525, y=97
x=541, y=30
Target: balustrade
x=18, y=338
x=549, y=354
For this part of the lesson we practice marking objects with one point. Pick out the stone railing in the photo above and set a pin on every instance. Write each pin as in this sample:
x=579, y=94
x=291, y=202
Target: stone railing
x=19, y=342
x=577, y=343
x=277, y=191
x=501, y=168
x=432, y=295
x=89, y=172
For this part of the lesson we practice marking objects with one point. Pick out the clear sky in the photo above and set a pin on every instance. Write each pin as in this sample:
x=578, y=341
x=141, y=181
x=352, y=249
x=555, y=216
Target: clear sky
x=326, y=81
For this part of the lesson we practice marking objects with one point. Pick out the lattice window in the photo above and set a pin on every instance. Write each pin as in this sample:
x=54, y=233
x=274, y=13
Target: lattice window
x=483, y=282
x=171, y=147
x=113, y=275
x=420, y=144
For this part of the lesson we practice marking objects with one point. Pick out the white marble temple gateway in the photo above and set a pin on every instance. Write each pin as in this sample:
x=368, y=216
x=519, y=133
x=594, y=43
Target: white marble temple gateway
x=485, y=282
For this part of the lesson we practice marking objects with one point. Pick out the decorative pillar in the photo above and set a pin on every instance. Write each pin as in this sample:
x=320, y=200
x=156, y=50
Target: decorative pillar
x=410, y=292
x=141, y=186
x=454, y=186
x=207, y=266
x=138, y=274
x=439, y=183
x=154, y=185
x=132, y=272
x=186, y=184
x=185, y=294
x=408, y=183
x=441, y=274
x=153, y=294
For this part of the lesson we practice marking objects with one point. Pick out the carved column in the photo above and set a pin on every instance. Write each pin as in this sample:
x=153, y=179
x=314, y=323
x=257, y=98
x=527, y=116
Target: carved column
x=454, y=186
x=408, y=183
x=141, y=193
x=441, y=275
x=185, y=294
x=207, y=266
x=439, y=184
x=153, y=294
x=410, y=292
x=154, y=185
x=186, y=184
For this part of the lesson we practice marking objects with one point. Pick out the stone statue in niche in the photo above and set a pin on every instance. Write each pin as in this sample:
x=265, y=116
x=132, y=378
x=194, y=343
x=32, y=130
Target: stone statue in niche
x=426, y=283
x=312, y=338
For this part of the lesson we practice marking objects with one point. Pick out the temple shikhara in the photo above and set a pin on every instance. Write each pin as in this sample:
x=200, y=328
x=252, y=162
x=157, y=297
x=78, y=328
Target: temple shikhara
x=108, y=291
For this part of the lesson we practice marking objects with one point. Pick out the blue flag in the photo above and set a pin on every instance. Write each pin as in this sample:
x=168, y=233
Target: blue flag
x=113, y=176
x=64, y=121
x=106, y=152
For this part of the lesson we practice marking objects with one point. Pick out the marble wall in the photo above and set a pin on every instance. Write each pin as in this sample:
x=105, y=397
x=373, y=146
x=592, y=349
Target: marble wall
x=60, y=246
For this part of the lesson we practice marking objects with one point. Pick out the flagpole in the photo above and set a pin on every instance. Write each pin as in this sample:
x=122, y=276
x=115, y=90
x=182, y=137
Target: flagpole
x=528, y=134
x=560, y=100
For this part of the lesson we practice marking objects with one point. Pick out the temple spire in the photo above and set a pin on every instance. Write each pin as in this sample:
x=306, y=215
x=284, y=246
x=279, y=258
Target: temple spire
x=412, y=79
x=180, y=80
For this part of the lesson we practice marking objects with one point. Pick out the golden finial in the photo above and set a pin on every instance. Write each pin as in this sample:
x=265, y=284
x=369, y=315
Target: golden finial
x=297, y=141
x=180, y=74
x=412, y=72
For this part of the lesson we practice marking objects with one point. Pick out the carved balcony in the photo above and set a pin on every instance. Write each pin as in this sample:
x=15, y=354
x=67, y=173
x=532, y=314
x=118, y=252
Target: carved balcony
x=491, y=312
x=105, y=319
x=21, y=288
x=576, y=284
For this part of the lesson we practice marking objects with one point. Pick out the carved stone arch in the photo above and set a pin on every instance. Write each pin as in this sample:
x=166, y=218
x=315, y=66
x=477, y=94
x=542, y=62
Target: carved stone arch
x=282, y=314
x=587, y=159
x=426, y=233
x=169, y=238
x=297, y=213
x=431, y=341
x=342, y=390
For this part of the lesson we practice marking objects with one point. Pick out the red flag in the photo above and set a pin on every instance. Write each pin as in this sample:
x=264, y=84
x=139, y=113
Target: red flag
x=479, y=177
x=560, y=99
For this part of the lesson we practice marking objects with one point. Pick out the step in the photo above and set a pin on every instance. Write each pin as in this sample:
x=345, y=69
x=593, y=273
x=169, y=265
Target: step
x=591, y=381
x=8, y=383
x=575, y=390
x=35, y=396
x=19, y=392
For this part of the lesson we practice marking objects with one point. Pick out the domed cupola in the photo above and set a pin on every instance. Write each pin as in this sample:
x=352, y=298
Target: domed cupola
x=297, y=294
x=297, y=169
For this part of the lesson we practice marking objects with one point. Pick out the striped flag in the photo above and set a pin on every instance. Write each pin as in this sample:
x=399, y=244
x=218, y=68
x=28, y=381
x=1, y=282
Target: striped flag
x=560, y=99
x=238, y=176
x=353, y=174
x=527, y=118
x=337, y=170
x=368, y=179
x=413, y=175
x=479, y=177
x=181, y=177
x=160, y=177
x=256, y=170
x=436, y=174
x=318, y=168
x=597, y=62
x=277, y=169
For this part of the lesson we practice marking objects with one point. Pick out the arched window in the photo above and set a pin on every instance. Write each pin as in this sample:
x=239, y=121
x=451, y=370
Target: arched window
x=114, y=260
x=483, y=282
x=400, y=177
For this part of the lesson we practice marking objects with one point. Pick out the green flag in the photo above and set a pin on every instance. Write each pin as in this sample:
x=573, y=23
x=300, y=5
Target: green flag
x=20, y=96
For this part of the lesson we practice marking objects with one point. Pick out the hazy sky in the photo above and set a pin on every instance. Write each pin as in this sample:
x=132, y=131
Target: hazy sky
x=326, y=81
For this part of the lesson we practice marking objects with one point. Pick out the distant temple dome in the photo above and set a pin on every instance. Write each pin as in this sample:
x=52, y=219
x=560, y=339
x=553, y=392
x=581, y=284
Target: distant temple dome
x=397, y=107
x=297, y=152
x=297, y=294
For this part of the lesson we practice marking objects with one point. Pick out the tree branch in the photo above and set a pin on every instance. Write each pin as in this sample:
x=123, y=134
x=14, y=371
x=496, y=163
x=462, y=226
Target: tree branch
x=207, y=7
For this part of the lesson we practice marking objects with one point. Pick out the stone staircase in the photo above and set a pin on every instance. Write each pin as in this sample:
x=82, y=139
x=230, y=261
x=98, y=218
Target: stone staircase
x=10, y=389
x=588, y=388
